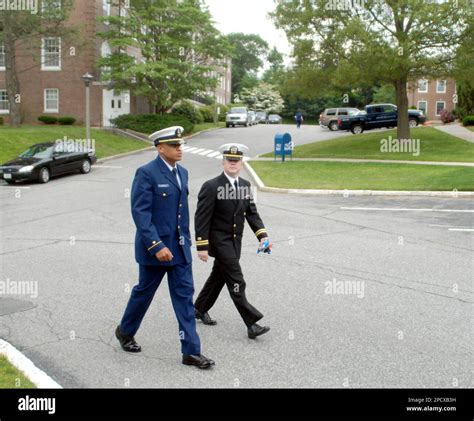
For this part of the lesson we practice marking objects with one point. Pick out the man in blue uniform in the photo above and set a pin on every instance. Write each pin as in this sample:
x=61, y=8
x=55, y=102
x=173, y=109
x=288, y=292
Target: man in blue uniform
x=163, y=246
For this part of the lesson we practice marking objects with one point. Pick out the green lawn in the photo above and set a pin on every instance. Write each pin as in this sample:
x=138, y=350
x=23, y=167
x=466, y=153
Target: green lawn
x=471, y=128
x=434, y=146
x=11, y=378
x=14, y=141
x=207, y=126
x=362, y=176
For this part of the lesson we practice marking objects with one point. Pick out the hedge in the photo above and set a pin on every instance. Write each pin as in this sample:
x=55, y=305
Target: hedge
x=150, y=123
x=468, y=120
x=47, y=119
x=189, y=111
x=66, y=121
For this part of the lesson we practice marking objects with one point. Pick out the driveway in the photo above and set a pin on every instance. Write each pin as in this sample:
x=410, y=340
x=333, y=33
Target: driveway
x=359, y=291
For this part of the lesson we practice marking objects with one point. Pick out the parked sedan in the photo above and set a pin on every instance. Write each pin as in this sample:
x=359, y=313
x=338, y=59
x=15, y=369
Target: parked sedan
x=45, y=160
x=274, y=119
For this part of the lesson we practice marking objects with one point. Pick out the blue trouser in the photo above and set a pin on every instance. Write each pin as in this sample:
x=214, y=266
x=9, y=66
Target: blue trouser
x=181, y=287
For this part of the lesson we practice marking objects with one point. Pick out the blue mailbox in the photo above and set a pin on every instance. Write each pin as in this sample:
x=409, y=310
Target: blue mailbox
x=283, y=145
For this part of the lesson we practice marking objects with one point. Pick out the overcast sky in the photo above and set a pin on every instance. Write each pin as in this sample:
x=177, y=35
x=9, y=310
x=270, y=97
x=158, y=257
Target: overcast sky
x=249, y=17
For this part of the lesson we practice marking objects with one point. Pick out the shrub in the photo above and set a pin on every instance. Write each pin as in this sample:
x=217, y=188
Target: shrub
x=208, y=112
x=224, y=111
x=468, y=120
x=446, y=116
x=413, y=107
x=47, y=119
x=1, y=121
x=66, y=121
x=150, y=123
x=189, y=111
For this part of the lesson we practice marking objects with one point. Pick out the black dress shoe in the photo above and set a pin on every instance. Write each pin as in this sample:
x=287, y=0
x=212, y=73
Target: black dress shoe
x=127, y=342
x=257, y=330
x=199, y=361
x=206, y=319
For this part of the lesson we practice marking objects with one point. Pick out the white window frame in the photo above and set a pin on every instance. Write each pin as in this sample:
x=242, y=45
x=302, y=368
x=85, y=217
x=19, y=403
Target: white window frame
x=8, y=104
x=426, y=90
x=2, y=53
x=45, y=5
x=44, y=66
x=45, y=100
x=436, y=107
x=437, y=85
x=426, y=105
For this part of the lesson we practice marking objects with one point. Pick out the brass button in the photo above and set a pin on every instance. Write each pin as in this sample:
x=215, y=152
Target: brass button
x=164, y=194
x=245, y=213
x=154, y=242
x=179, y=216
x=235, y=235
x=180, y=205
x=179, y=227
x=235, y=225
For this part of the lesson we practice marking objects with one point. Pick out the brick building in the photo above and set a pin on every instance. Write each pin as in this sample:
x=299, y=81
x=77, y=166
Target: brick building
x=432, y=96
x=50, y=73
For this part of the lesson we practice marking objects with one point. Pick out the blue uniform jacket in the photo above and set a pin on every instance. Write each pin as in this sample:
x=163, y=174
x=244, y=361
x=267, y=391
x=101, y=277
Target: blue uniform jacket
x=161, y=214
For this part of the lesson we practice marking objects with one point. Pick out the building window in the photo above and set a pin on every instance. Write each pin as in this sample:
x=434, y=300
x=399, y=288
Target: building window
x=51, y=100
x=440, y=105
x=423, y=106
x=4, y=104
x=51, y=54
x=441, y=86
x=50, y=6
x=422, y=85
x=2, y=57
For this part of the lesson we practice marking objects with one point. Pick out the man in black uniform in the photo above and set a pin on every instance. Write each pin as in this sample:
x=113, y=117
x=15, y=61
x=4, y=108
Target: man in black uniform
x=223, y=205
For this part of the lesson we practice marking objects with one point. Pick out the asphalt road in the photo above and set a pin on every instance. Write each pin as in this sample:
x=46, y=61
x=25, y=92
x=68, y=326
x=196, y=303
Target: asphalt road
x=358, y=292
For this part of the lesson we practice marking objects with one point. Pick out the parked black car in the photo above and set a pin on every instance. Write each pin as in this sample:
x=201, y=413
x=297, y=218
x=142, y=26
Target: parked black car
x=376, y=116
x=42, y=161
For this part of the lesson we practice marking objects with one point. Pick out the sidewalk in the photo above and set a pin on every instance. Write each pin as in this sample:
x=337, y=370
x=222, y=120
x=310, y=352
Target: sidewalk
x=456, y=130
x=383, y=161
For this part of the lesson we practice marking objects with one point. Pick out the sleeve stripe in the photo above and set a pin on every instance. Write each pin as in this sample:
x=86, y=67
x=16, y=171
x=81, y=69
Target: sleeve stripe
x=260, y=231
x=154, y=245
x=202, y=243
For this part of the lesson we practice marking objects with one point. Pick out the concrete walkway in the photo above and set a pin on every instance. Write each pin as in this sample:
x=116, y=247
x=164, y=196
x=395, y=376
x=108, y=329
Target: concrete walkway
x=457, y=130
x=383, y=161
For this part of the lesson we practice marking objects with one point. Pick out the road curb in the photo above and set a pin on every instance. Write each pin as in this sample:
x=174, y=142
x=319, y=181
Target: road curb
x=108, y=158
x=261, y=186
x=25, y=365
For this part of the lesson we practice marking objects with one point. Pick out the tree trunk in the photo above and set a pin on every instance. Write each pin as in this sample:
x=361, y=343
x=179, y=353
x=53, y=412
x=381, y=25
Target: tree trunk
x=11, y=77
x=403, y=130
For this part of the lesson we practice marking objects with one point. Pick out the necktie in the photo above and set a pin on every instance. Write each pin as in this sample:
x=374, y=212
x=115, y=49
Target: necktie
x=175, y=172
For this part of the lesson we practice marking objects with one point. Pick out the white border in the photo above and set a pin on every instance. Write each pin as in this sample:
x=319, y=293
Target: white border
x=25, y=365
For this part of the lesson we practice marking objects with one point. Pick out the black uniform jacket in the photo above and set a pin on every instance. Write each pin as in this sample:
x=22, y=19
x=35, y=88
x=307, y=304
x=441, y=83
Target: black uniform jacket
x=220, y=217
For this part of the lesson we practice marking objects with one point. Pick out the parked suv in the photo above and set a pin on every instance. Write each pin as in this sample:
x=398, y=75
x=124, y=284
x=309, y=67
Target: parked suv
x=328, y=118
x=237, y=116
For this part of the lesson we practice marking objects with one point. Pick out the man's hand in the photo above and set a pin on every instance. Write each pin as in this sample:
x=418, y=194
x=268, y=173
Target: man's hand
x=164, y=255
x=203, y=255
x=262, y=241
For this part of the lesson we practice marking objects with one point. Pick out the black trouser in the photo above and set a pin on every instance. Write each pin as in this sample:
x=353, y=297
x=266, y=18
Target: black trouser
x=227, y=271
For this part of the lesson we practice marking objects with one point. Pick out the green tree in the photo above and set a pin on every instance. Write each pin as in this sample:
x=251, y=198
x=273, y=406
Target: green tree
x=276, y=73
x=25, y=28
x=385, y=94
x=388, y=41
x=249, y=52
x=179, y=45
x=263, y=97
x=464, y=74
